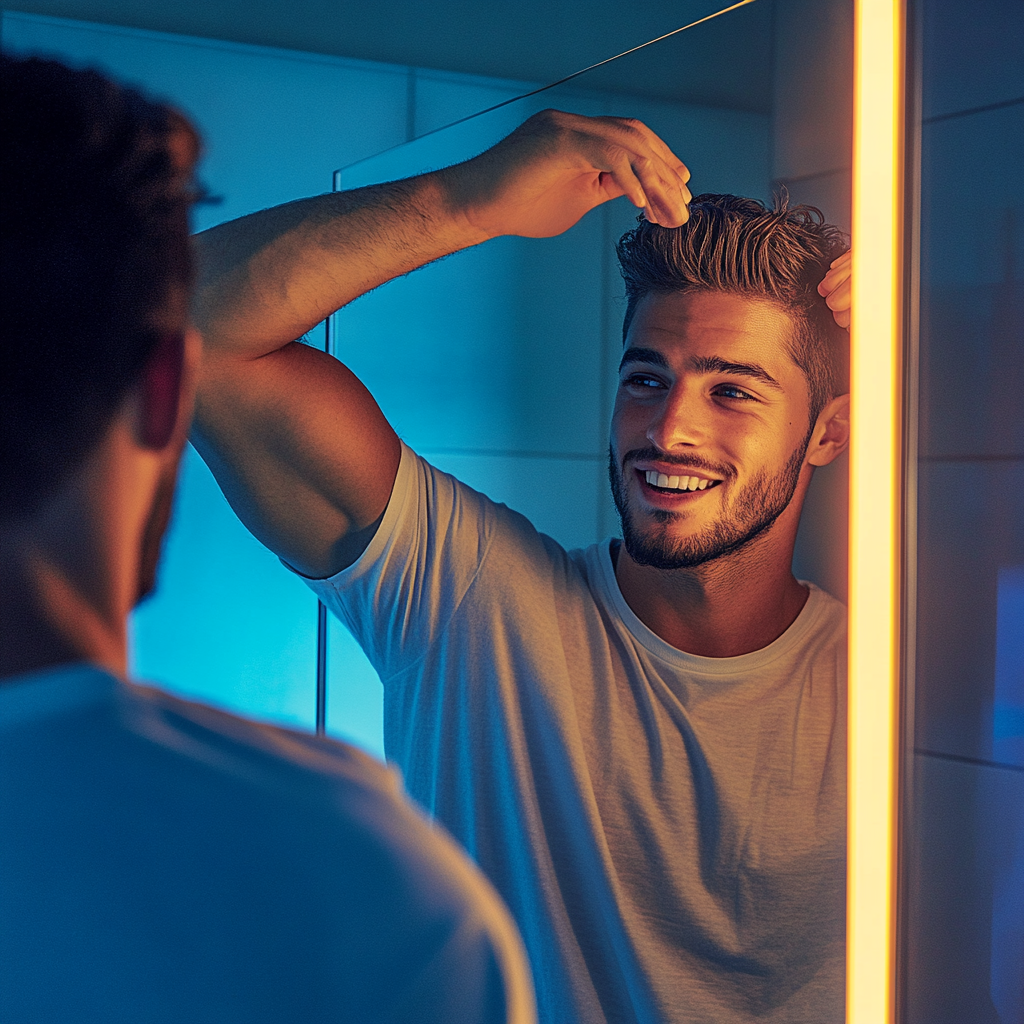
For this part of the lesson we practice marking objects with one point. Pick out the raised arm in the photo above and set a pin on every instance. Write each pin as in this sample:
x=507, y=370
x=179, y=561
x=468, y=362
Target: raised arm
x=298, y=445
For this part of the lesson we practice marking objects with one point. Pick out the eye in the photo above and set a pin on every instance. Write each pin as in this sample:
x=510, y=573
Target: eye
x=731, y=391
x=642, y=382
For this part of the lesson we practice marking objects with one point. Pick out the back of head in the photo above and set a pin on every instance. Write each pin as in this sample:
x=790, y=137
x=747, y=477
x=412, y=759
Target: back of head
x=740, y=246
x=94, y=232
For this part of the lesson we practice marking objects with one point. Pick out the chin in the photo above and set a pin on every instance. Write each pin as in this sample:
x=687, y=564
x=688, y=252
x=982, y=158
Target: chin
x=661, y=550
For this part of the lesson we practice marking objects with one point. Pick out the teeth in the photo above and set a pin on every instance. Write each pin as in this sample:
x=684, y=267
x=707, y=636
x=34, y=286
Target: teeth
x=677, y=483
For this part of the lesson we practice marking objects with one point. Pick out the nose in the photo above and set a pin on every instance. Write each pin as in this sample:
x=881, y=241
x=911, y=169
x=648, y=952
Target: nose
x=678, y=422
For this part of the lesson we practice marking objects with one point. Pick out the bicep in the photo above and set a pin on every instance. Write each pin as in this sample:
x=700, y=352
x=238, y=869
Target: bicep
x=301, y=451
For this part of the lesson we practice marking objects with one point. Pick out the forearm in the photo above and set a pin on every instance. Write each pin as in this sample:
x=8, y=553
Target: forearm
x=266, y=279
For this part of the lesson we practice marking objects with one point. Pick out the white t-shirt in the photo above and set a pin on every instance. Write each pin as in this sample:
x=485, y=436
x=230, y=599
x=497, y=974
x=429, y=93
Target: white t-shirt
x=668, y=830
x=162, y=861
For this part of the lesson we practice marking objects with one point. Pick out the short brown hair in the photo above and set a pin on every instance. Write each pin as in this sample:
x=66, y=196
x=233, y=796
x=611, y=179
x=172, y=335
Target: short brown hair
x=94, y=238
x=738, y=245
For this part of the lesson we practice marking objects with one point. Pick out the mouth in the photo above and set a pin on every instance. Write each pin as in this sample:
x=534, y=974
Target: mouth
x=675, y=486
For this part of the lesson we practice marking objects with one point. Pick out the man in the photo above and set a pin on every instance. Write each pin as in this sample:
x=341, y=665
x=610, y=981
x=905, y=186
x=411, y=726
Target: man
x=162, y=861
x=641, y=743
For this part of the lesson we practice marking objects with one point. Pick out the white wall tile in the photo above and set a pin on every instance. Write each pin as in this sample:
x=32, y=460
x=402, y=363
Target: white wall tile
x=831, y=192
x=355, y=696
x=559, y=496
x=972, y=199
x=821, y=554
x=972, y=372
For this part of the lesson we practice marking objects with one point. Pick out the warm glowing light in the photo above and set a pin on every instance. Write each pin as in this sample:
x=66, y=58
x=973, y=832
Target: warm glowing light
x=874, y=509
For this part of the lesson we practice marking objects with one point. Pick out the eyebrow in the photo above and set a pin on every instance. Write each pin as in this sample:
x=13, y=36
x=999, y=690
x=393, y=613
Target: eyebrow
x=716, y=364
x=643, y=355
x=703, y=364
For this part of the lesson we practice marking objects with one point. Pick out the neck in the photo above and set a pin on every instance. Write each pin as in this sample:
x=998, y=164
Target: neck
x=48, y=618
x=734, y=605
x=69, y=577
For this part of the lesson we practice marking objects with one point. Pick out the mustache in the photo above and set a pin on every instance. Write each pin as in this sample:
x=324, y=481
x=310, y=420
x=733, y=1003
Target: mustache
x=683, y=461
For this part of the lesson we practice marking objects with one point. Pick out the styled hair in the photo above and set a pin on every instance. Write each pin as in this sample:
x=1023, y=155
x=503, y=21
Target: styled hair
x=740, y=246
x=94, y=229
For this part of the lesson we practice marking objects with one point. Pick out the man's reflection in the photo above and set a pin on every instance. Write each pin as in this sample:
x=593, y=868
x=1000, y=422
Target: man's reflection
x=643, y=744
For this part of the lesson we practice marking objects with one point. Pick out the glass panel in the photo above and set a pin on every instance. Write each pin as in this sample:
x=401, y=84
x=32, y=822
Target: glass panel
x=497, y=364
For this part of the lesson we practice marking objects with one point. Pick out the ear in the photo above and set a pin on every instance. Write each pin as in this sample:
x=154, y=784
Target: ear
x=160, y=391
x=831, y=435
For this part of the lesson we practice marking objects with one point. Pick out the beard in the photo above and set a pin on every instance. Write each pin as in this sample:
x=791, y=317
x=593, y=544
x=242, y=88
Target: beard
x=752, y=511
x=151, y=545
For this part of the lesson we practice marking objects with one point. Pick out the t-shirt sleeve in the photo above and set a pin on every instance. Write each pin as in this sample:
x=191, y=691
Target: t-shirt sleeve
x=398, y=598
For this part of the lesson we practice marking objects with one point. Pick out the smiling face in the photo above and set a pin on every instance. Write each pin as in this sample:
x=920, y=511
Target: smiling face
x=710, y=427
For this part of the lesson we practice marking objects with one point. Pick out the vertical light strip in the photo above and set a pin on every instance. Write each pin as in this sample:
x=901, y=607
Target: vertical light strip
x=874, y=509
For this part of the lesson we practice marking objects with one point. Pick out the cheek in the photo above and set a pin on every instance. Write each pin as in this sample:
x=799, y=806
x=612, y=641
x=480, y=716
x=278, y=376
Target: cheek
x=620, y=424
x=752, y=446
x=630, y=418
x=766, y=450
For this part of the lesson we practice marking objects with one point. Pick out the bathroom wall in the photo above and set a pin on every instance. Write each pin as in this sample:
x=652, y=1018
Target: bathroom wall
x=965, y=899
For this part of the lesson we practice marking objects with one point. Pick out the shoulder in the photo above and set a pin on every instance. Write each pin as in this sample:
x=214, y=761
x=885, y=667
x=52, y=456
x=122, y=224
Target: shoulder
x=386, y=876
x=271, y=755
x=830, y=613
x=223, y=822
x=824, y=628
x=324, y=791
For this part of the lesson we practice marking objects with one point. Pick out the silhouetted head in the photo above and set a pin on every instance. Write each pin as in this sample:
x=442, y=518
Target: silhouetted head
x=96, y=268
x=96, y=261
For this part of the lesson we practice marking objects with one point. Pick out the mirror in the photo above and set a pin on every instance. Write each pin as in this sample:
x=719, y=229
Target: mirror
x=498, y=364
x=755, y=99
x=763, y=103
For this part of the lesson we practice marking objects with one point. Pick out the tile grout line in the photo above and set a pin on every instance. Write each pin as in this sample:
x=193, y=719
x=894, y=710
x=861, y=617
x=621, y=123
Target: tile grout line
x=971, y=458
x=978, y=762
x=984, y=109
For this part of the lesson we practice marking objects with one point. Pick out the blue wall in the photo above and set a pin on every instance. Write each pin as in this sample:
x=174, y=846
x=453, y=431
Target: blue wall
x=965, y=900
